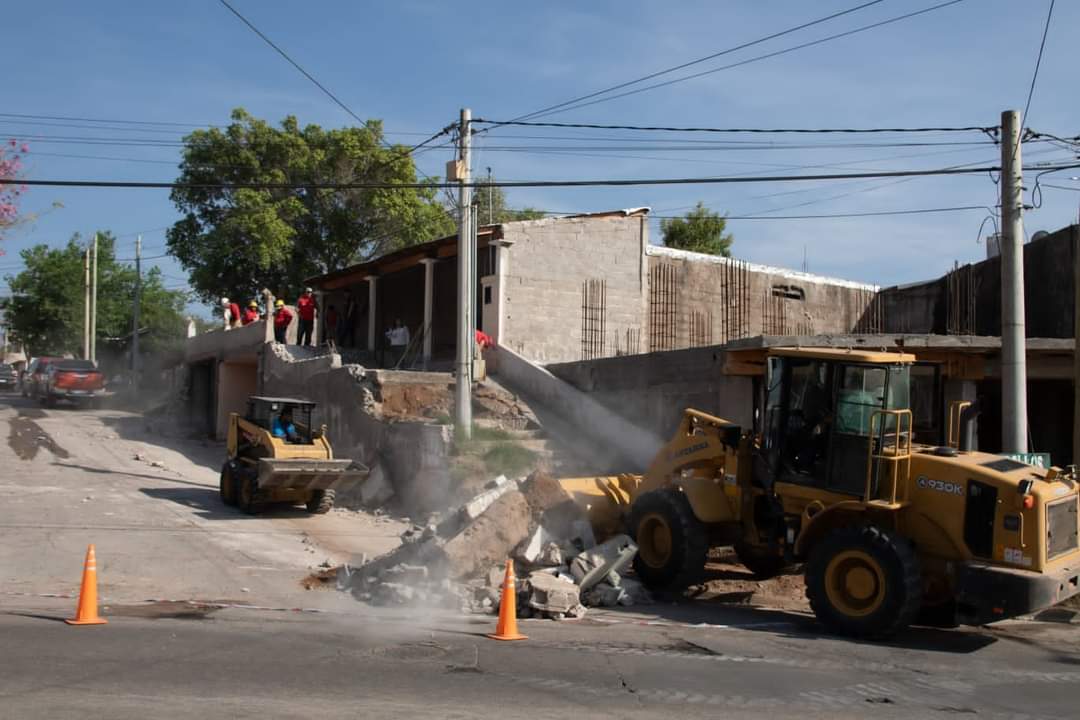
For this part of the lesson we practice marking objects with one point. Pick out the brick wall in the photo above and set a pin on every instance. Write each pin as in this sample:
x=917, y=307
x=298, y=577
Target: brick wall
x=548, y=263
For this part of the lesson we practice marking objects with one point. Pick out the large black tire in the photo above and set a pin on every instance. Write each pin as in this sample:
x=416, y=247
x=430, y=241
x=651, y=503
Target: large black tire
x=760, y=560
x=672, y=542
x=226, y=485
x=245, y=493
x=320, y=502
x=864, y=582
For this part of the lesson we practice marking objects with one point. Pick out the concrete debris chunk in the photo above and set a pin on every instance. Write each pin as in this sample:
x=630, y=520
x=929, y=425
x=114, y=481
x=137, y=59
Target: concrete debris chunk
x=603, y=595
x=491, y=538
x=614, y=555
x=550, y=594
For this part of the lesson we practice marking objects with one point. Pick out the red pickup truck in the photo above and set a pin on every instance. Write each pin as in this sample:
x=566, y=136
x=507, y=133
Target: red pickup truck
x=76, y=380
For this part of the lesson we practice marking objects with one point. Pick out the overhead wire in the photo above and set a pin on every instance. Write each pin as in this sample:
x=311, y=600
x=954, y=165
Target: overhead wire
x=757, y=58
x=741, y=130
x=608, y=182
x=706, y=58
x=1038, y=63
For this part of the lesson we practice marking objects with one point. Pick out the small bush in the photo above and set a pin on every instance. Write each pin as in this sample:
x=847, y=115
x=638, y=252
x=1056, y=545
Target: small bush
x=509, y=459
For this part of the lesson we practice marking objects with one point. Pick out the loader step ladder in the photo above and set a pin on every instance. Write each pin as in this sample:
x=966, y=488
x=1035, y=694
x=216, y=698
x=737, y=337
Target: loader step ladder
x=889, y=451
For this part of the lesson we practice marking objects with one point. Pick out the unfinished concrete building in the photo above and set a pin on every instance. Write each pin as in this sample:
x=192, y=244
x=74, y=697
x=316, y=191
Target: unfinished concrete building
x=582, y=287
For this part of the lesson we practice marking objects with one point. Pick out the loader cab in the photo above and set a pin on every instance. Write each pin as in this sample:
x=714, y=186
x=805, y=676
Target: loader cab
x=264, y=411
x=820, y=410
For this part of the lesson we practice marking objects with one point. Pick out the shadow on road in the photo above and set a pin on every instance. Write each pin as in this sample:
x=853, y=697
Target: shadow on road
x=207, y=504
x=144, y=476
x=804, y=626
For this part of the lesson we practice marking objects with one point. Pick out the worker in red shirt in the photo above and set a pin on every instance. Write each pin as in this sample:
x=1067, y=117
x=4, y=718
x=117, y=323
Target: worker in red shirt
x=282, y=318
x=251, y=313
x=232, y=313
x=305, y=306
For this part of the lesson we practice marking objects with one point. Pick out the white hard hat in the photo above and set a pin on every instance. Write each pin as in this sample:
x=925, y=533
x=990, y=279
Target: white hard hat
x=307, y=290
x=224, y=301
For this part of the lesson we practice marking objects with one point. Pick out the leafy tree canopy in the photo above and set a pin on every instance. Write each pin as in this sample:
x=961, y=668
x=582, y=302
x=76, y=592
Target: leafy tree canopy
x=235, y=242
x=700, y=230
x=45, y=309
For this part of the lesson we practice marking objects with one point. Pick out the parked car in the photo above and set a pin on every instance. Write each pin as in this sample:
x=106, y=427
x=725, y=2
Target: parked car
x=76, y=380
x=8, y=377
x=34, y=376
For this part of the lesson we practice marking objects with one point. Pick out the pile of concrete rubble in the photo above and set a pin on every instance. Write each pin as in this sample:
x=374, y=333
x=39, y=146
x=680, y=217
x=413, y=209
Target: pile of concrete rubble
x=458, y=559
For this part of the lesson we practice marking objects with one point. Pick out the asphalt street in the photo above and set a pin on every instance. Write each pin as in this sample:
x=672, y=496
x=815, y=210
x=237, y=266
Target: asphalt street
x=176, y=567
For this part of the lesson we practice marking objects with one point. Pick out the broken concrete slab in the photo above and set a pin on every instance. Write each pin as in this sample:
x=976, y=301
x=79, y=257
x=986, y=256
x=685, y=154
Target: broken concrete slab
x=491, y=538
x=603, y=595
x=614, y=555
x=550, y=594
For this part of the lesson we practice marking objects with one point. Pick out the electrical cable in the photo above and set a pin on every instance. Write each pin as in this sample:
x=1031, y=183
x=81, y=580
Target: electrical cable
x=757, y=58
x=731, y=179
x=706, y=58
x=656, y=128
x=1038, y=62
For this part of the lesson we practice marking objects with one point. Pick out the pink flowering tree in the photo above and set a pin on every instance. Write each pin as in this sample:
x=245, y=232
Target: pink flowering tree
x=11, y=190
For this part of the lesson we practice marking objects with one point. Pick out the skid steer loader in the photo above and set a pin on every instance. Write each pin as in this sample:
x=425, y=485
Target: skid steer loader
x=275, y=456
x=891, y=532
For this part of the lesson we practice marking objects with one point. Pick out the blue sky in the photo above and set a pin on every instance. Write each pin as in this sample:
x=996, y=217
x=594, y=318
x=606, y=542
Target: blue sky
x=414, y=63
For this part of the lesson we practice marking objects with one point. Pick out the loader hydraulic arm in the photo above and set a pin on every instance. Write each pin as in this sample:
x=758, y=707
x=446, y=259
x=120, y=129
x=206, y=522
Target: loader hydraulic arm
x=701, y=440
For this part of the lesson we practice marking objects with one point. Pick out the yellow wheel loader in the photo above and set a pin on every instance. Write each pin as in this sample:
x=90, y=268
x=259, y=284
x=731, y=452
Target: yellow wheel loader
x=890, y=531
x=276, y=456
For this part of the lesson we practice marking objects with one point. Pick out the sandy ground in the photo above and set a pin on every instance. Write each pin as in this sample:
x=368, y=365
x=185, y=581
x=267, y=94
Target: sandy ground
x=150, y=504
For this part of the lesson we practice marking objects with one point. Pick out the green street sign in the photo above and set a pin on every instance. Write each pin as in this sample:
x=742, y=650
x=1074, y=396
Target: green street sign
x=1039, y=460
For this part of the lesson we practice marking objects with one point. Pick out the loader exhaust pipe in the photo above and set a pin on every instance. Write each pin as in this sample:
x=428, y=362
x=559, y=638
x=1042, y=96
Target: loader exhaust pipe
x=968, y=416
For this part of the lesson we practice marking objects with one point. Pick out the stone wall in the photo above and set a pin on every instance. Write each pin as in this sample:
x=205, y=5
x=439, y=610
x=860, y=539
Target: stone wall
x=547, y=264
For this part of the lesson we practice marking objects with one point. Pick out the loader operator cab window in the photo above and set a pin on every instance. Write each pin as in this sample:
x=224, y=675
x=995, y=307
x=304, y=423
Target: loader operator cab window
x=283, y=426
x=804, y=455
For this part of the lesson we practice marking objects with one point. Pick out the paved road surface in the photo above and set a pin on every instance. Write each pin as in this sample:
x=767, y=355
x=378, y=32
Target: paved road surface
x=161, y=533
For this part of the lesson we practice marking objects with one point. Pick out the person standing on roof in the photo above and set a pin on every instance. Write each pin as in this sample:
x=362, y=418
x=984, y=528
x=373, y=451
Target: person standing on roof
x=251, y=313
x=282, y=318
x=305, y=306
x=232, y=313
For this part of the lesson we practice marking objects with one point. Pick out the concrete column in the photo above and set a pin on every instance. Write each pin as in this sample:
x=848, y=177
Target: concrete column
x=268, y=319
x=500, y=312
x=371, y=280
x=429, y=301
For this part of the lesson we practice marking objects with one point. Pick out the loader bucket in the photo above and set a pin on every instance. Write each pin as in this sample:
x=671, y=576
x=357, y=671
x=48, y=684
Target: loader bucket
x=314, y=474
x=605, y=498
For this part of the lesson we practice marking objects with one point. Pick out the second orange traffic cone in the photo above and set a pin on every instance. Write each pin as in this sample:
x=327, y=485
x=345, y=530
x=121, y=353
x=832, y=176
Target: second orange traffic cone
x=507, y=627
x=87, y=613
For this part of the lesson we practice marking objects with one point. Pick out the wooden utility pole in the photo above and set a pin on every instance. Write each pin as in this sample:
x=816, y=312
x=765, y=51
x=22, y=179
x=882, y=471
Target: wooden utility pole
x=93, y=300
x=86, y=305
x=135, y=312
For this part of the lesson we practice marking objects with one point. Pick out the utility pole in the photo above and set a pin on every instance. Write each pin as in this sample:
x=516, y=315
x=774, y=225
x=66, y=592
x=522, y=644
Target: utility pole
x=463, y=369
x=86, y=305
x=1014, y=424
x=93, y=301
x=135, y=312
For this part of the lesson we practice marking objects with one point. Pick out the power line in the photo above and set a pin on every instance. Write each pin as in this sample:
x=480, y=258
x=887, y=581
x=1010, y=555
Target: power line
x=103, y=120
x=732, y=179
x=594, y=126
x=1038, y=62
x=706, y=58
x=754, y=59
x=733, y=147
x=824, y=216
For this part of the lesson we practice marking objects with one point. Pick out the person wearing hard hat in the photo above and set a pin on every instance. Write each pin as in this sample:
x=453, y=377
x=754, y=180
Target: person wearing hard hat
x=232, y=313
x=305, y=307
x=282, y=318
x=251, y=313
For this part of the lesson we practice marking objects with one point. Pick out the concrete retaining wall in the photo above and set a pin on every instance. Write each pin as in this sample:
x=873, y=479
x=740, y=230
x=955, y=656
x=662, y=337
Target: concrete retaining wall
x=653, y=389
x=603, y=427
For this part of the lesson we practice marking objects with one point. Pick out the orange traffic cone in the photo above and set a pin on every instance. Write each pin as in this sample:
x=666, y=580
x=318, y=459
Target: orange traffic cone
x=507, y=627
x=87, y=613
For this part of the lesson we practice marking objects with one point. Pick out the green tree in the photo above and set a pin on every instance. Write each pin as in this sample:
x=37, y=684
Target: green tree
x=235, y=242
x=700, y=230
x=492, y=209
x=45, y=309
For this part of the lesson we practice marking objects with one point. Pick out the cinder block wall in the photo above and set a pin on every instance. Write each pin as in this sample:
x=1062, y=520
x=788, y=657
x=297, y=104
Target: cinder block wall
x=828, y=305
x=549, y=261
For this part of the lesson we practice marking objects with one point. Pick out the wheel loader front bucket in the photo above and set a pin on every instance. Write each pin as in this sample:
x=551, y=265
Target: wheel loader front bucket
x=309, y=474
x=605, y=498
